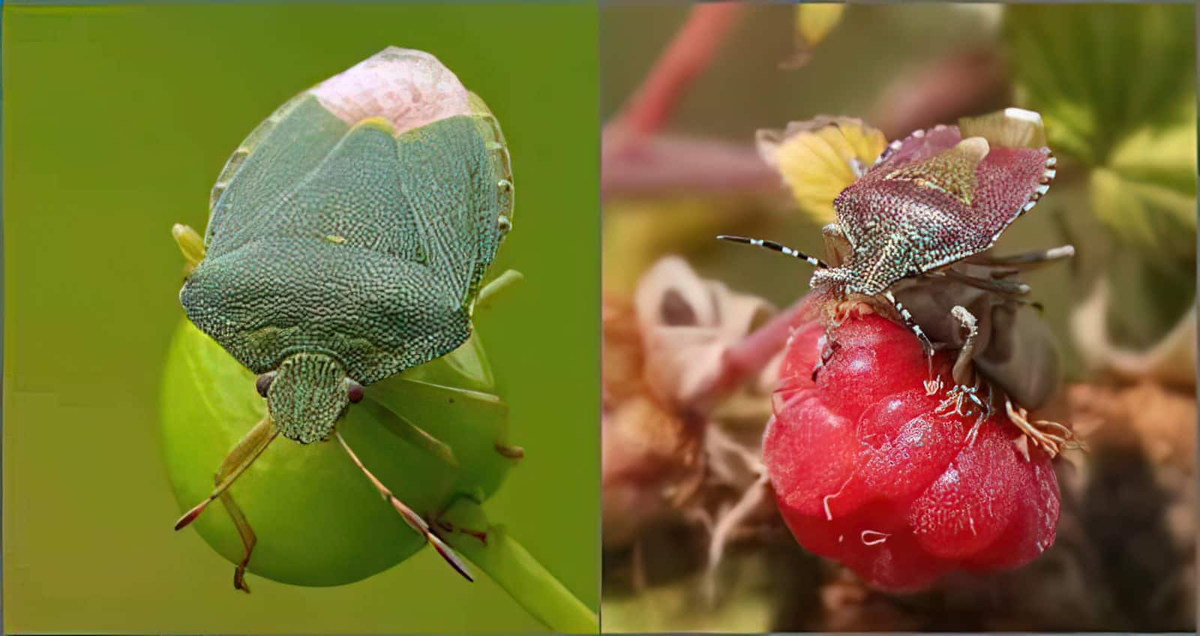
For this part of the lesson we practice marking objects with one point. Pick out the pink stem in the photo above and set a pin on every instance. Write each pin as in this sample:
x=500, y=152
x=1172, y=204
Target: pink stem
x=685, y=58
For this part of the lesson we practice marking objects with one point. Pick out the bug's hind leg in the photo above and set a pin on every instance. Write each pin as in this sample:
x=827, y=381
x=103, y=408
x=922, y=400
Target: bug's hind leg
x=933, y=384
x=235, y=463
x=1026, y=260
x=410, y=517
x=1001, y=286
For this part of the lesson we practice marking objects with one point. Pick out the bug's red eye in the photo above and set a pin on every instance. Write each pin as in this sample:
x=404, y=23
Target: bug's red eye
x=263, y=383
x=355, y=392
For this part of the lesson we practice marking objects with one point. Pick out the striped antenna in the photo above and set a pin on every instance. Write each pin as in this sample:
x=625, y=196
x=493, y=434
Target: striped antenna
x=774, y=247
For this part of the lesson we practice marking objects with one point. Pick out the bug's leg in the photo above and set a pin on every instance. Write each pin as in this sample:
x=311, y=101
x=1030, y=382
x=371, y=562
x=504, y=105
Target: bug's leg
x=410, y=432
x=974, y=432
x=963, y=368
x=998, y=286
x=1035, y=258
x=967, y=384
x=410, y=517
x=236, y=462
x=498, y=284
x=245, y=532
x=774, y=247
x=190, y=244
x=424, y=440
x=451, y=518
x=228, y=465
x=932, y=384
x=827, y=352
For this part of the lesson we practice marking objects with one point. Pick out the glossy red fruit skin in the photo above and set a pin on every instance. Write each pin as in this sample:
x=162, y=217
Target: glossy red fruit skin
x=867, y=474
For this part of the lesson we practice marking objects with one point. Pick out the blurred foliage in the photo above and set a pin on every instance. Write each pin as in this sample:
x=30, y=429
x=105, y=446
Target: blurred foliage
x=1116, y=86
x=1097, y=72
x=815, y=21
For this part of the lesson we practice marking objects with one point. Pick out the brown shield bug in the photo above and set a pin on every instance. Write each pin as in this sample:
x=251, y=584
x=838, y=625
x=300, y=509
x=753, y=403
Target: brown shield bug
x=918, y=224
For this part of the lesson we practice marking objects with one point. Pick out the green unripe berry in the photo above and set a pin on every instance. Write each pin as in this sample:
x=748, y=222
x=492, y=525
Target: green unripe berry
x=317, y=519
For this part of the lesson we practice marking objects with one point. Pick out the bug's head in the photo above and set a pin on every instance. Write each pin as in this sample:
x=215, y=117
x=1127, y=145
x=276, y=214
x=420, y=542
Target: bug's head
x=833, y=280
x=307, y=394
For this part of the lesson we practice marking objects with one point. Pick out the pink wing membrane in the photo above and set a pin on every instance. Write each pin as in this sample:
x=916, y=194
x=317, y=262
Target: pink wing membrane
x=918, y=146
x=409, y=88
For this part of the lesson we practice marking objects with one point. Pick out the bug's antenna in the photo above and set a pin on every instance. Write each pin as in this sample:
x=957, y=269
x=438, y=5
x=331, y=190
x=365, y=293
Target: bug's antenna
x=411, y=518
x=775, y=247
x=239, y=459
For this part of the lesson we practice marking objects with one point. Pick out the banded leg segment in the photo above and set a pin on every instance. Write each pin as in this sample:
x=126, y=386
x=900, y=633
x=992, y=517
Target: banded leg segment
x=932, y=384
x=774, y=247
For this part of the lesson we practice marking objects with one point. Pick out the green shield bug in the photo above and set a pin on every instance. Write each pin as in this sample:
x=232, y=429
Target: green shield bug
x=348, y=239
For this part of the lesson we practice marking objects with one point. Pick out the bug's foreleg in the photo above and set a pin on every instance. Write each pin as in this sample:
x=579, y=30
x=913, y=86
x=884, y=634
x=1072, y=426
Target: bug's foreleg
x=932, y=383
x=410, y=517
x=235, y=463
x=190, y=244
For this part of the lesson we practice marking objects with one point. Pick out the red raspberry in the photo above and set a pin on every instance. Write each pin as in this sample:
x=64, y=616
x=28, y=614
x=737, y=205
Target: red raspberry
x=866, y=473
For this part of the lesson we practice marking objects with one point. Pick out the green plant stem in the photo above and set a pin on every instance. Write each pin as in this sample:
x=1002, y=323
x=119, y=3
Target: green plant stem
x=511, y=566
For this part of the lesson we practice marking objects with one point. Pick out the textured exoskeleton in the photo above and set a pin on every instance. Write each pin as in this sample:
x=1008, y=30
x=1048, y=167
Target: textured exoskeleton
x=347, y=241
x=349, y=235
x=912, y=235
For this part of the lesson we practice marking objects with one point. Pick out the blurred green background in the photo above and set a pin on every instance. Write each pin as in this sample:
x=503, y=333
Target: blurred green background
x=116, y=122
